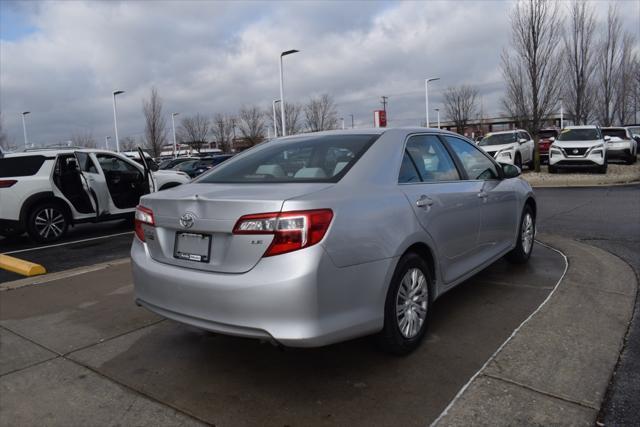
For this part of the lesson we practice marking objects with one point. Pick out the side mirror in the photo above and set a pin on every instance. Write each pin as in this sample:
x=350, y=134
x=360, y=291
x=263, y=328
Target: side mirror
x=522, y=140
x=607, y=138
x=552, y=139
x=510, y=171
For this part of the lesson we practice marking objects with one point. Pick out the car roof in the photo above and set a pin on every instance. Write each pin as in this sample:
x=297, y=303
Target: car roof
x=55, y=151
x=581, y=127
x=614, y=128
x=502, y=132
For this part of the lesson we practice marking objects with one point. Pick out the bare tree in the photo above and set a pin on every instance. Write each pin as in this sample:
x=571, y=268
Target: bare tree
x=222, y=130
x=321, y=114
x=579, y=55
x=128, y=143
x=460, y=105
x=626, y=81
x=293, y=112
x=607, y=64
x=155, y=123
x=251, y=124
x=194, y=130
x=83, y=139
x=535, y=38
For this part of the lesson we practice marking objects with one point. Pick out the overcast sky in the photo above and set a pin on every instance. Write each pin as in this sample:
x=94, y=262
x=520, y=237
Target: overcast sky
x=62, y=60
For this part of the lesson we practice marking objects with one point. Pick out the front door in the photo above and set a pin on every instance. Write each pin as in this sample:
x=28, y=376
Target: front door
x=496, y=196
x=96, y=183
x=446, y=206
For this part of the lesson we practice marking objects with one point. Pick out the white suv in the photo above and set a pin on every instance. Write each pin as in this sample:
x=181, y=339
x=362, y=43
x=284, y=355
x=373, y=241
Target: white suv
x=621, y=145
x=577, y=147
x=513, y=146
x=43, y=192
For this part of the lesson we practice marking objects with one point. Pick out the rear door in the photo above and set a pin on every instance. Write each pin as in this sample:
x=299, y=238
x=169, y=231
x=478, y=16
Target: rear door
x=446, y=206
x=96, y=183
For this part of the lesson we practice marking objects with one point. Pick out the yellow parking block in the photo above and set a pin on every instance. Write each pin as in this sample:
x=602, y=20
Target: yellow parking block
x=21, y=266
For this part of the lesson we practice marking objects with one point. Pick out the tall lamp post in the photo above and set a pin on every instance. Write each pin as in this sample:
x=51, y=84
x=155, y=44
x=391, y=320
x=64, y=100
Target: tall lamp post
x=173, y=124
x=351, y=120
x=426, y=94
x=115, y=118
x=106, y=142
x=283, y=54
x=437, y=110
x=342, y=118
x=24, y=129
x=275, y=118
x=561, y=114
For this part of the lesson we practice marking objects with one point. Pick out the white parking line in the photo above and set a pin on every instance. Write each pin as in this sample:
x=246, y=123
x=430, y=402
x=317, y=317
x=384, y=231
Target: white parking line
x=67, y=243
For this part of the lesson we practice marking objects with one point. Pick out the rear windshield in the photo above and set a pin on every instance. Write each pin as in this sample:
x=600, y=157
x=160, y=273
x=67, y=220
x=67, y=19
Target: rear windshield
x=579, y=135
x=619, y=133
x=498, y=139
x=20, y=166
x=325, y=158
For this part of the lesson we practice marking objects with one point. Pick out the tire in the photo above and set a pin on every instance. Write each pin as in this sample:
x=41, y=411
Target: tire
x=631, y=159
x=47, y=222
x=603, y=169
x=526, y=235
x=518, y=161
x=400, y=336
x=553, y=169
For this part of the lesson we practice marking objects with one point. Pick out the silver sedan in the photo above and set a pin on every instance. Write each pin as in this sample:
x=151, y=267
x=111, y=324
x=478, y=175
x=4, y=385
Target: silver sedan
x=317, y=238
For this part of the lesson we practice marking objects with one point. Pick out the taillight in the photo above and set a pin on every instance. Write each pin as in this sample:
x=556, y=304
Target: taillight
x=6, y=183
x=143, y=216
x=291, y=230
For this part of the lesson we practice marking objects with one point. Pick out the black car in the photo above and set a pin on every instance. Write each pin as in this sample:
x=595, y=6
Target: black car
x=207, y=163
x=171, y=163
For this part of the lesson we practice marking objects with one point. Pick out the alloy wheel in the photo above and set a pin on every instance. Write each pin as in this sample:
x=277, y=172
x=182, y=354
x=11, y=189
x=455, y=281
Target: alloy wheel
x=528, y=230
x=49, y=223
x=412, y=303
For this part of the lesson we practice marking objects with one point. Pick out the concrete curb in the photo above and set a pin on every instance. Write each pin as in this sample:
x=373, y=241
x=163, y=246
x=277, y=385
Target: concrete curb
x=38, y=280
x=556, y=366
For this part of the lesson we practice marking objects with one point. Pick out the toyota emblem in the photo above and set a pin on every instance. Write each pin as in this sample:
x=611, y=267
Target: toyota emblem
x=187, y=220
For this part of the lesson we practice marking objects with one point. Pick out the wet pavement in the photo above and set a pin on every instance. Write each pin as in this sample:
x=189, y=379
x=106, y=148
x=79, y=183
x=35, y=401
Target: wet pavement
x=83, y=338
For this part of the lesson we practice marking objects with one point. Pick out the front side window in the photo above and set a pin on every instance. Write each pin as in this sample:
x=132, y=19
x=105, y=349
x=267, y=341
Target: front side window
x=86, y=164
x=110, y=163
x=475, y=163
x=430, y=160
x=322, y=158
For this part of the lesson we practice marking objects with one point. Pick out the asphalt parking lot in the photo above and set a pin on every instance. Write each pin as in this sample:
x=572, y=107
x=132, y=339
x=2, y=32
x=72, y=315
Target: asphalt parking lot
x=78, y=345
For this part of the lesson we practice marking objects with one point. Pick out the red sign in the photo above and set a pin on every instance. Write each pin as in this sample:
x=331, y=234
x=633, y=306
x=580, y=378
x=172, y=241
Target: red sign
x=380, y=119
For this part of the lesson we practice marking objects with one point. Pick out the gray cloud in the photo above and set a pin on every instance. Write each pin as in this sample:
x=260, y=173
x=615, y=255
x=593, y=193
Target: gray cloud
x=213, y=57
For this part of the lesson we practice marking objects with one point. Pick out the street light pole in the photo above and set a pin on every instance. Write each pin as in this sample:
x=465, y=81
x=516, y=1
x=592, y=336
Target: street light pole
x=426, y=95
x=561, y=114
x=106, y=142
x=115, y=118
x=24, y=129
x=275, y=118
x=351, y=120
x=438, y=112
x=342, y=118
x=283, y=54
x=173, y=124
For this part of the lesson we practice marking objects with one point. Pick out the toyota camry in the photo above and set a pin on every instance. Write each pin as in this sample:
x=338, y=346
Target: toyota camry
x=316, y=238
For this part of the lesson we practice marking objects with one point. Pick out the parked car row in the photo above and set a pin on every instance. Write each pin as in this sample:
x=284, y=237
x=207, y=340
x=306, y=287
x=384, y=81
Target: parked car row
x=572, y=147
x=43, y=192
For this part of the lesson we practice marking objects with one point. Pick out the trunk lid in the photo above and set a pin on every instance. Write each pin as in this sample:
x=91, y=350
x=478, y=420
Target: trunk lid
x=214, y=209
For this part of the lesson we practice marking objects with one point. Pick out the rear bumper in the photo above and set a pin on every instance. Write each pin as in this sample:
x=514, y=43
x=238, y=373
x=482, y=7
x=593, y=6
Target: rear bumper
x=617, y=154
x=298, y=299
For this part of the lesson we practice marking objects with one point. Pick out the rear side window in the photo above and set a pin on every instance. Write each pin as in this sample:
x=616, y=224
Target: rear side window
x=323, y=158
x=20, y=166
x=430, y=160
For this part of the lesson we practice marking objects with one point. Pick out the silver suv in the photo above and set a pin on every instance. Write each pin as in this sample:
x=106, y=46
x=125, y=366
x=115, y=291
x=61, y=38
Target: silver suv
x=313, y=239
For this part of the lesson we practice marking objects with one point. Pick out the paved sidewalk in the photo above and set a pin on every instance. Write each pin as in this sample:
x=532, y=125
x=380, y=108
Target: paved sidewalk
x=556, y=368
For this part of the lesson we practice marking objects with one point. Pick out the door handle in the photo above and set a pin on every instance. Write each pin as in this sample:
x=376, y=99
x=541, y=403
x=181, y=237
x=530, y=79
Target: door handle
x=424, y=202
